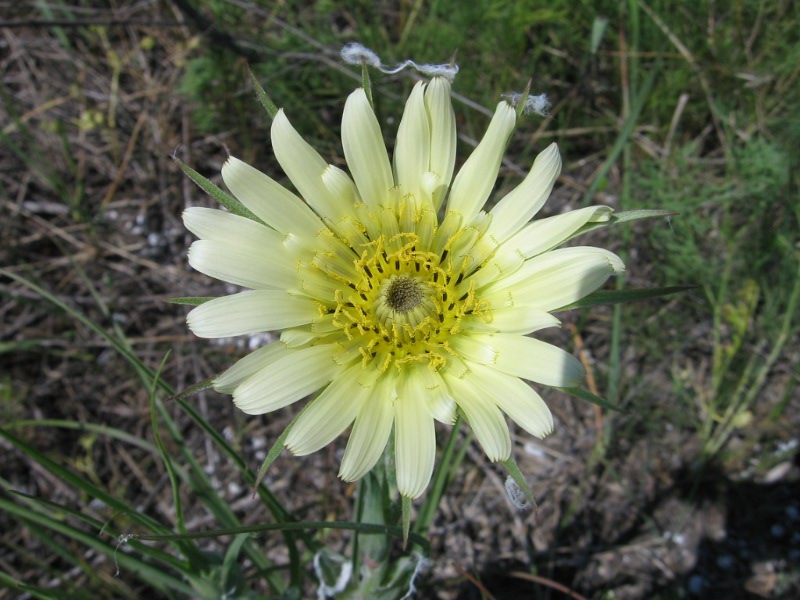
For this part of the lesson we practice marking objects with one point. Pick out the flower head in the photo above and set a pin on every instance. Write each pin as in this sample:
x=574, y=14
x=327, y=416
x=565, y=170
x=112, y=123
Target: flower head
x=397, y=317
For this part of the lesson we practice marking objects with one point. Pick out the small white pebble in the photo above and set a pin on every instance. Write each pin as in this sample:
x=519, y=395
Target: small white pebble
x=533, y=450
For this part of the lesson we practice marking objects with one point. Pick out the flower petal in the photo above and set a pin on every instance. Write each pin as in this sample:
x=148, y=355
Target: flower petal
x=298, y=336
x=524, y=201
x=329, y=414
x=484, y=417
x=344, y=196
x=289, y=376
x=251, y=312
x=477, y=177
x=545, y=234
x=247, y=367
x=413, y=146
x=301, y=163
x=499, y=267
x=522, y=319
x=264, y=265
x=370, y=431
x=555, y=279
x=517, y=399
x=221, y=226
x=443, y=137
x=427, y=383
x=415, y=440
x=270, y=201
x=365, y=150
x=521, y=356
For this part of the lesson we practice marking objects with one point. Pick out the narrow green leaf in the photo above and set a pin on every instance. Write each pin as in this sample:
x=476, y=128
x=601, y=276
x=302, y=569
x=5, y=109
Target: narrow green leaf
x=624, y=217
x=405, y=502
x=276, y=449
x=194, y=389
x=262, y=96
x=625, y=133
x=117, y=344
x=89, y=488
x=431, y=500
x=223, y=512
x=162, y=450
x=599, y=27
x=643, y=213
x=10, y=583
x=602, y=297
x=232, y=555
x=366, y=83
x=51, y=509
x=396, y=532
x=190, y=300
x=520, y=108
x=583, y=394
x=273, y=453
x=157, y=576
x=225, y=199
x=111, y=432
x=201, y=485
x=198, y=479
x=29, y=345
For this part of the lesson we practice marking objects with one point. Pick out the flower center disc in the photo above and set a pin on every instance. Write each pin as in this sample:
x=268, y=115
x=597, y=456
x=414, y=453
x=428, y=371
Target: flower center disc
x=403, y=305
x=404, y=294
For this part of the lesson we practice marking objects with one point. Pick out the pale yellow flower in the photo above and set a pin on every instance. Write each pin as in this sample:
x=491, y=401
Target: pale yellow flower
x=395, y=316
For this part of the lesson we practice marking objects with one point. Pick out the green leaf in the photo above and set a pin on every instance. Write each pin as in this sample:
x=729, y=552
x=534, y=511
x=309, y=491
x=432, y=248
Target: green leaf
x=162, y=450
x=228, y=201
x=520, y=108
x=11, y=583
x=583, y=394
x=116, y=343
x=644, y=213
x=366, y=83
x=625, y=217
x=111, y=432
x=54, y=522
x=273, y=453
x=396, y=532
x=262, y=96
x=197, y=477
x=625, y=133
x=58, y=511
x=190, y=300
x=221, y=509
x=193, y=389
x=230, y=564
x=599, y=27
x=447, y=464
x=405, y=503
x=602, y=297
x=88, y=488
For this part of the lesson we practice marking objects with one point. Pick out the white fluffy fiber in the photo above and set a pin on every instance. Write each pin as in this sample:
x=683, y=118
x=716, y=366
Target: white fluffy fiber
x=356, y=54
